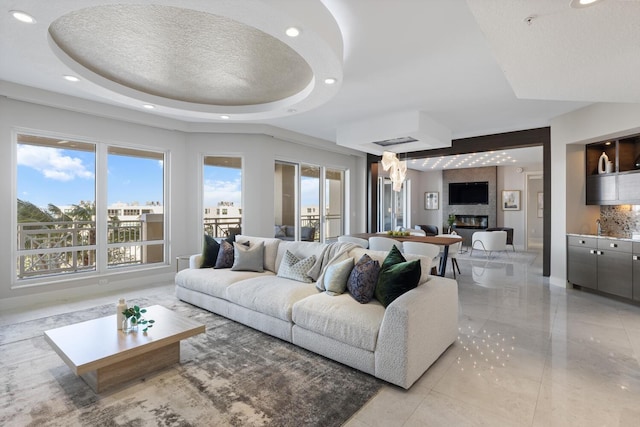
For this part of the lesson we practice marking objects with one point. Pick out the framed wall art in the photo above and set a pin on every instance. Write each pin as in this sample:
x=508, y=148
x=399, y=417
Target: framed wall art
x=510, y=200
x=431, y=200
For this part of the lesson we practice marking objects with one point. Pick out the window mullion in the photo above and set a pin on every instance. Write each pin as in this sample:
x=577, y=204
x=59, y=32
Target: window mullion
x=101, y=207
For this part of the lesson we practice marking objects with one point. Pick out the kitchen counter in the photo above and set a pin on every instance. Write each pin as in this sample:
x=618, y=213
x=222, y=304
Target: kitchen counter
x=609, y=236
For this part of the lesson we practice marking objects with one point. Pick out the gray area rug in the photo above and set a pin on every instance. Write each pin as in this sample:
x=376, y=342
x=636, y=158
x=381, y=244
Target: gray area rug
x=230, y=376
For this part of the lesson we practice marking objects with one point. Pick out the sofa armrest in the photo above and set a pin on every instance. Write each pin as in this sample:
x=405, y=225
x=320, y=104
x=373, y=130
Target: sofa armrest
x=416, y=329
x=195, y=260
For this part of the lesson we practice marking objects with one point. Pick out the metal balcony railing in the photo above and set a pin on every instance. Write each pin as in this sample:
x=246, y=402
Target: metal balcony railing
x=47, y=248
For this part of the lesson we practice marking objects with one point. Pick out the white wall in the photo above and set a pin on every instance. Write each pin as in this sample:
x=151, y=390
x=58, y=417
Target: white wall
x=568, y=210
x=510, y=179
x=185, y=188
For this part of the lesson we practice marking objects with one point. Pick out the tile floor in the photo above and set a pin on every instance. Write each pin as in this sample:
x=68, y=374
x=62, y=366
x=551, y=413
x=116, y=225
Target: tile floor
x=528, y=354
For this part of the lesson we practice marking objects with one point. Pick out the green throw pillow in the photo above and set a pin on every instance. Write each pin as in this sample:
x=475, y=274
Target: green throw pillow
x=397, y=276
x=209, y=252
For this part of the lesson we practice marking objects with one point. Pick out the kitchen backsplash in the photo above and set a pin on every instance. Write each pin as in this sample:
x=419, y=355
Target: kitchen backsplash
x=621, y=220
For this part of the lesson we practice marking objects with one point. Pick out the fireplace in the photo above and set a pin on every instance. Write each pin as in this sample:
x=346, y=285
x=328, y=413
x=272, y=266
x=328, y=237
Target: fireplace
x=477, y=222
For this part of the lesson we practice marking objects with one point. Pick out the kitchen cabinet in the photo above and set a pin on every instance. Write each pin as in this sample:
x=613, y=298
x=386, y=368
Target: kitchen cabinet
x=615, y=270
x=603, y=264
x=581, y=261
x=636, y=271
x=621, y=184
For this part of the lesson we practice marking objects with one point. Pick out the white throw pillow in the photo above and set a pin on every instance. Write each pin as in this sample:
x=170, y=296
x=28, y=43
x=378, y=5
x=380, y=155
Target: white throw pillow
x=292, y=267
x=336, y=277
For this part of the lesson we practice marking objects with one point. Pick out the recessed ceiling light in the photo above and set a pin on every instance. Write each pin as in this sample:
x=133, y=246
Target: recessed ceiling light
x=225, y=117
x=149, y=106
x=292, y=32
x=23, y=16
x=330, y=81
x=583, y=3
x=71, y=78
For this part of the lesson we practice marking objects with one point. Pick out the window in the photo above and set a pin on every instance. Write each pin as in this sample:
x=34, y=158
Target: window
x=136, y=177
x=222, y=188
x=61, y=230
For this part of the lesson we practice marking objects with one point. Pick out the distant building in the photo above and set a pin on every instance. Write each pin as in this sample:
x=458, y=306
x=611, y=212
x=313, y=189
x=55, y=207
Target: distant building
x=223, y=210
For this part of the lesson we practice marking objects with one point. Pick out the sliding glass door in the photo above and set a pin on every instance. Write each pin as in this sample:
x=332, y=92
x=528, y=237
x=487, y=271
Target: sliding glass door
x=393, y=206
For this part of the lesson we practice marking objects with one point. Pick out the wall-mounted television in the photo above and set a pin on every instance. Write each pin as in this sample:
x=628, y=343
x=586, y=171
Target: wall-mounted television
x=469, y=193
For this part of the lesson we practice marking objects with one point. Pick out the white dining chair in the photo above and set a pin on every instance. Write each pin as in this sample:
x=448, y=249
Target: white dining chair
x=364, y=243
x=379, y=243
x=426, y=249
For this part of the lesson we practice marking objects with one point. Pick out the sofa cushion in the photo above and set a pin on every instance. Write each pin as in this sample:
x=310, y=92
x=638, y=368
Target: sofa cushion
x=396, y=277
x=214, y=283
x=341, y=318
x=210, y=250
x=280, y=231
x=363, y=279
x=270, y=249
x=249, y=258
x=270, y=295
x=295, y=268
x=336, y=276
x=307, y=234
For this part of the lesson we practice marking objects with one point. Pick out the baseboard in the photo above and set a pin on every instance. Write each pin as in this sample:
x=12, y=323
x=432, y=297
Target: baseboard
x=82, y=292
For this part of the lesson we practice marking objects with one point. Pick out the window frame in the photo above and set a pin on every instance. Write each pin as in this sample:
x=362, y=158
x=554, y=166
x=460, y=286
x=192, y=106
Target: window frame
x=102, y=267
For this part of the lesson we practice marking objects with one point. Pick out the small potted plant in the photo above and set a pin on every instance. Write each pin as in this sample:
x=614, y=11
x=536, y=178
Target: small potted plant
x=451, y=219
x=133, y=318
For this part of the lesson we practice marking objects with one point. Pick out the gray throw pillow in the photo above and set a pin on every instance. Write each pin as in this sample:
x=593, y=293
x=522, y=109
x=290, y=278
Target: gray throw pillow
x=248, y=258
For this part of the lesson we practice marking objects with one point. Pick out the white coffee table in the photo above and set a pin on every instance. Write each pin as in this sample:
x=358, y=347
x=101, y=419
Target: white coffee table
x=104, y=356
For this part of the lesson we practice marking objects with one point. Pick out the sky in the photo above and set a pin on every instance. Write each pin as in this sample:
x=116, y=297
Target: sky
x=64, y=177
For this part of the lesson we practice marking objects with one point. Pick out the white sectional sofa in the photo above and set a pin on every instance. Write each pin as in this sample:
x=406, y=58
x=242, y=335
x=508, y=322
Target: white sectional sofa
x=397, y=343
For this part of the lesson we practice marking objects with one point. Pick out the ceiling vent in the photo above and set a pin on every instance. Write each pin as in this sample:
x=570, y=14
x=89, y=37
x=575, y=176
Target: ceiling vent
x=395, y=141
x=377, y=134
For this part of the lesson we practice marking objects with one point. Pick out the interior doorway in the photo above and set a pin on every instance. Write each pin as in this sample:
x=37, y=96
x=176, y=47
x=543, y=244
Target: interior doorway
x=534, y=214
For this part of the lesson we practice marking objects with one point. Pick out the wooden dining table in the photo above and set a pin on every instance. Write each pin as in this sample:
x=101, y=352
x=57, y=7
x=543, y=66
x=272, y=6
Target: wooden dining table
x=444, y=241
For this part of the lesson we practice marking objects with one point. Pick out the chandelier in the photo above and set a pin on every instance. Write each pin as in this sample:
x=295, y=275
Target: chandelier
x=397, y=169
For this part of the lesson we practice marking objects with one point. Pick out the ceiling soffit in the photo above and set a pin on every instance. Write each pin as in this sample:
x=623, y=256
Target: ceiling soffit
x=549, y=50
x=200, y=61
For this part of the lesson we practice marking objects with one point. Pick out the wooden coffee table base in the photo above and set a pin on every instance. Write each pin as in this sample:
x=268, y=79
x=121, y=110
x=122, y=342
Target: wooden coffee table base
x=135, y=368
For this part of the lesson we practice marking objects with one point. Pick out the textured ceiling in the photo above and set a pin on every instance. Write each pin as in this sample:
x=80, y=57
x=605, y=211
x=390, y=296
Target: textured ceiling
x=182, y=54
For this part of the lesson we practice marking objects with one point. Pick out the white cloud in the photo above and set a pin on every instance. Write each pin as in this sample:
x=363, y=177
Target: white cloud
x=222, y=191
x=52, y=163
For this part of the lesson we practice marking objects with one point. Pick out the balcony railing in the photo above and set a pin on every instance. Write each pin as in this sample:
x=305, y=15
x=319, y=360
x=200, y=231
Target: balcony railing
x=46, y=248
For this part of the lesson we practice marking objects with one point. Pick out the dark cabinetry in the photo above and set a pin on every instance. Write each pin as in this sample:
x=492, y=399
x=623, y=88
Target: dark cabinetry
x=615, y=272
x=619, y=183
x=581, y=261
x=603, y=264
x=636, y=271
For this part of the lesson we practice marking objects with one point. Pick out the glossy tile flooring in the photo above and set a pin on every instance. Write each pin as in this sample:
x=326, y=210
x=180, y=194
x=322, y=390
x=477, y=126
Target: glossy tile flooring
x=528, y=354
